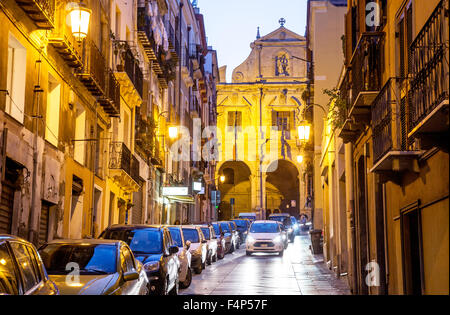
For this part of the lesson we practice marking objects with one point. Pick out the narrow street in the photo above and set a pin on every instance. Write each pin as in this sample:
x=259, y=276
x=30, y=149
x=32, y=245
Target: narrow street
x=297, y=272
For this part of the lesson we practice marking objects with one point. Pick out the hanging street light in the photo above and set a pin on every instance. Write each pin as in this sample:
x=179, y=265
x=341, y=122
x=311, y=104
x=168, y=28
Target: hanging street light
x=304, y=131
x=79, y=18
x=173, y=132
x=300, y=159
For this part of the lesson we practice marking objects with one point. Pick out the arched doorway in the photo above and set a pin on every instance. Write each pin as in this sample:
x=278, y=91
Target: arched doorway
x=235, y=190
x=282, y=188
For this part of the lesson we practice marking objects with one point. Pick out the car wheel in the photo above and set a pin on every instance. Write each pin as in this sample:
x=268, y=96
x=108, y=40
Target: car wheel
x=209, y=259
x=238, y=245
x=204, y=265
x=215, y=257
x=187, y=282
x=175, y=288
x=232, y=248
x=198, y=270
x=222, y=255
x=281, y=253
x=248, y=253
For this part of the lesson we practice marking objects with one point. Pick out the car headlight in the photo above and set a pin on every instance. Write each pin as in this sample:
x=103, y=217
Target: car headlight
x=277, y=239
x=250, y=239
x=152, y=266
x=290, y=230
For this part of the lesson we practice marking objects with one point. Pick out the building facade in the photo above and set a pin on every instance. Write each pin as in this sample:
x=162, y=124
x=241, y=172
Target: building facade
x=388, y=127
x=84, y=123
x=258, y=114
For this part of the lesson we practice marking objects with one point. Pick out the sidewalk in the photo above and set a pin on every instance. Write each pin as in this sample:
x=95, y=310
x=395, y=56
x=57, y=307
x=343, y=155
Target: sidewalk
x=312, y=275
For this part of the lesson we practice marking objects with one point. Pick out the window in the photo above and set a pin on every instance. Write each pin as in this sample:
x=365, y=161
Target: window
x=176, y=236
x=25, y=265
x=16, y=77
x=9, y=281
x=284, y=121
x=235, y=119
x=53, y=106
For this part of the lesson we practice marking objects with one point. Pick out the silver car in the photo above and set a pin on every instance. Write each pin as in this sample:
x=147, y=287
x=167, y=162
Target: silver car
x=94, y=267
x=184, y=255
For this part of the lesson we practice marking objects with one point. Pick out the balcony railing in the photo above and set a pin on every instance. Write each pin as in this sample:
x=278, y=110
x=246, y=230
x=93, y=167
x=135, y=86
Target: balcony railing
x=391, y=149
x=383, y=112
x=430, y=73
x=111, y=100
x=130, y=65
x=93, y=72
x=366, y=69
x=145, y=33
x=65, y=44
x=42, y=12
x=121, y=158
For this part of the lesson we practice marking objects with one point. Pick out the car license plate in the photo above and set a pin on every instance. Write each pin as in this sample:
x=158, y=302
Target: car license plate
x=263, y=245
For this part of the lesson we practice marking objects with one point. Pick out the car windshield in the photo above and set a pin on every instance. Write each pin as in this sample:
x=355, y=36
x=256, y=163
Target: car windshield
x=206, y=233
x=216, y=229
x=225, y=227
x=141, y=241
x=283, y=219
x=191, y=235
x=294, y=220
x=241, y=223
x=264, y=228
x=176, y=236
x=88, y=259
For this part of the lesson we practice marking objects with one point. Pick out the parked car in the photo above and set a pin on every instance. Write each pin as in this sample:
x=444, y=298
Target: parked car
x=266, y=237
x=248, y=215
x=230, y=237
x=198, y=247
x=154, y=248
x=284, y=235
x=295, y=225
x=221, y=246
x=242, y=227
x=235, y=231
x=94, y=267
x=184, y=255
x=285, y=219
x=211, y=242
x=22, y=271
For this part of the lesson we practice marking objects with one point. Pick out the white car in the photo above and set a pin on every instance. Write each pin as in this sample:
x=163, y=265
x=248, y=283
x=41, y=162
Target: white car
x=265, y=237
x=184, y=255
x=198, y=247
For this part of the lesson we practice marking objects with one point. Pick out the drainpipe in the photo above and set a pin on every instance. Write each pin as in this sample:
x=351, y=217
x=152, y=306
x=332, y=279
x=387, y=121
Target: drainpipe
x=351, y=213
x=32, y=232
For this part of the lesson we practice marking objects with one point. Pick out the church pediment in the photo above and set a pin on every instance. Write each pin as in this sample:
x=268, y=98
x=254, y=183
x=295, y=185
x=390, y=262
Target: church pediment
x=281, y=34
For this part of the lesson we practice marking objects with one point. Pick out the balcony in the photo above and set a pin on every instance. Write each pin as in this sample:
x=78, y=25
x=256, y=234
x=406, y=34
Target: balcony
x=111, y=100
x=428, y=108
x=128, y=72
x=93, y=72
x=123, y=166
x=145, y=34
x=174, y=44
x=349, y=130
x=42, y=12
x=194, y=107
x=66, y=46
x=391, y=152
x=366, y=75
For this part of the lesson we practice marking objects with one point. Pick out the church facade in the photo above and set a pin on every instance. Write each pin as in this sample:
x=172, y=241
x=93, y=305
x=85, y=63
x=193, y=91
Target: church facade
x=263, y=166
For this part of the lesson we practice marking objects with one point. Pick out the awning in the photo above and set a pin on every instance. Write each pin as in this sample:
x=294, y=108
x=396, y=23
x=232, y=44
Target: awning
x=181, y=199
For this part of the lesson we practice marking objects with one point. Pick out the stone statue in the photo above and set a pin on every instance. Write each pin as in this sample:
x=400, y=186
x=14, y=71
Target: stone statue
x=282, y=64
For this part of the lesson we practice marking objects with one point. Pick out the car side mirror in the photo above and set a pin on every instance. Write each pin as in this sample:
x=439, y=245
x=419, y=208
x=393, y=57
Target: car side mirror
x=173, y=250
x=130, y=276
x=188, y=244
x=204, y=241
x=222, y=234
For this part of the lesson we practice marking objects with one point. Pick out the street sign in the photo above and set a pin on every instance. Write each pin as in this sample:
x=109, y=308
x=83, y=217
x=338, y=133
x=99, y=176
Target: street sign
x=232, y=201
x=175, y=191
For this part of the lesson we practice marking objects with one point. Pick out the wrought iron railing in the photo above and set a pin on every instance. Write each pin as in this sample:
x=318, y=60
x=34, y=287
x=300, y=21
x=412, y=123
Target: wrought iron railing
x=120, y=157
x=430, y=68
x=130, y=65
x=134, y=169
x=383, y=108
x=366, y=64
x=42, y=12
x=94, y=65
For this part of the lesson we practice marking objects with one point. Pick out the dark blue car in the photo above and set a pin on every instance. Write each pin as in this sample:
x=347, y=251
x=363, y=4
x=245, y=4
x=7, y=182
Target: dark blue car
x=242, y=226
x=154, y=247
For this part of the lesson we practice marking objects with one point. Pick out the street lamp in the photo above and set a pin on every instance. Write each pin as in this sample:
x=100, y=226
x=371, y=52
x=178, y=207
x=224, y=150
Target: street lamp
x=222, y=179
x=300, y=159
x=304, y=131
x=79, y=18
x=173, y=132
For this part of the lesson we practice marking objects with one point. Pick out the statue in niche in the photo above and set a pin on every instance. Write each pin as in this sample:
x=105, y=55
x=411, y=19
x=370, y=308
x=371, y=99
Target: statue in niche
x=282, y=65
